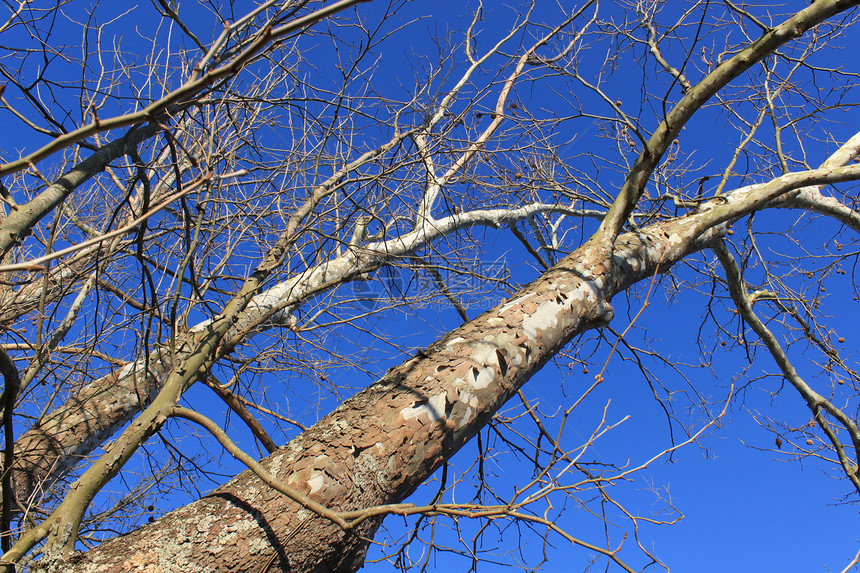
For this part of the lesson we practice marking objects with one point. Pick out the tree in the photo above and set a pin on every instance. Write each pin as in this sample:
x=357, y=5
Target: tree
x=215, y=213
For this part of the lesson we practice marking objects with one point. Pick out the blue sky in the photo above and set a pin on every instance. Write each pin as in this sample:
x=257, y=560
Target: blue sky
x=745, y=507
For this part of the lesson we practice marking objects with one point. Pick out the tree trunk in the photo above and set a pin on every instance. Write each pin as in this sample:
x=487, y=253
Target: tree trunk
x=380, y=445
x=54, y=446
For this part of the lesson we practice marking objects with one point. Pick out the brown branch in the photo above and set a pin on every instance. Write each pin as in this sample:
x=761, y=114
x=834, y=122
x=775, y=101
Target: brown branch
x=11, y=380
x=256, y=467
x=237, y=406
x=814, y=400
x=697, y=96
x=185, y=93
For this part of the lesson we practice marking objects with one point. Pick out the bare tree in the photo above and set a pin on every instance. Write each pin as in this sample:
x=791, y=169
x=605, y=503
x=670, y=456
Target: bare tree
x=223, y=214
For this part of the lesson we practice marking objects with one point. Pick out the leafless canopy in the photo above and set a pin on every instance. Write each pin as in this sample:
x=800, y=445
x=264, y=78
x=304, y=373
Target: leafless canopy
x=327, y=243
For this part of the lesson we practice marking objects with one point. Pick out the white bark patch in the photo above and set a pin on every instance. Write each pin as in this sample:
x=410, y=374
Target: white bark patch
x=437, y=406
x=482, y=379
x=471, y=402
x=466, y=418
x=275, y=468
x=413, y=411
x=626, y=257
x=484, y=354
x=454, y=341
x=316, y=483
x=584, y=291
x=546, y=316
x=434, y=408
x=505, y=340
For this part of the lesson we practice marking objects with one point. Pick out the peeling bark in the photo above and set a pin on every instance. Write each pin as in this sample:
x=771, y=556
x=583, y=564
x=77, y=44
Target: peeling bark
x=380, y=445
x=377, y=447
x=54, y=446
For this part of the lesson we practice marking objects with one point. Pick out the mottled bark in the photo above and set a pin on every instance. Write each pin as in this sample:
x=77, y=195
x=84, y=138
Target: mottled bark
x=377, y=447
x=53, y=446
x=66, y=435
